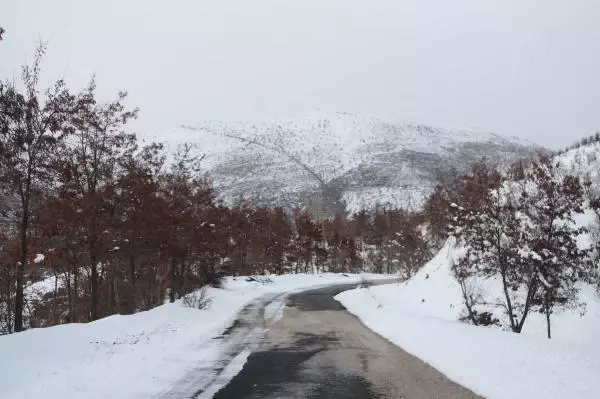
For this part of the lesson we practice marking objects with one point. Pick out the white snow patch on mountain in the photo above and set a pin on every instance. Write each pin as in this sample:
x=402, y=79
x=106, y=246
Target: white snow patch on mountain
x=362, y=160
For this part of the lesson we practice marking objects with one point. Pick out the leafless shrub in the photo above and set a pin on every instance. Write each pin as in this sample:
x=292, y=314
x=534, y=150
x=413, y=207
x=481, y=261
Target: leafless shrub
x=197, y=299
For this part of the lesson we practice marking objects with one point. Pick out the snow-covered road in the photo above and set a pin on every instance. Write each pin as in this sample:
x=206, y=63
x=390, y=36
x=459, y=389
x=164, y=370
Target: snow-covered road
x=235, y=344
x=172, y=348
x=319, y=350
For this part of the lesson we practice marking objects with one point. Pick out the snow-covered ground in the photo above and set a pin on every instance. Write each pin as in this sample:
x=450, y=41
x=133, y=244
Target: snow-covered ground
x=140, y=355
x=421, y=316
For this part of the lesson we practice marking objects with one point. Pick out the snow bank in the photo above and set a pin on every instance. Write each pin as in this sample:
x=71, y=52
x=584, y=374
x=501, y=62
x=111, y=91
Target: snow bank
x=133, y=356
x=421, y=317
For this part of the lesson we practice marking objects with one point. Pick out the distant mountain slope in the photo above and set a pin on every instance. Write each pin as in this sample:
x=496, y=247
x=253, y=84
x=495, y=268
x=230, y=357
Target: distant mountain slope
x=583, y=161
x=329, y=163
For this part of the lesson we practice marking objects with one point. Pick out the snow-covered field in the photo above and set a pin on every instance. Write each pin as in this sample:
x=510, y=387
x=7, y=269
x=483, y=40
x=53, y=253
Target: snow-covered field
x=135, y=356
x=421, y=316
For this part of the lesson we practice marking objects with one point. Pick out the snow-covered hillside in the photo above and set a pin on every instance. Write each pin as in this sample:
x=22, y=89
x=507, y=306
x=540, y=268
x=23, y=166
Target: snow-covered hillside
x=421, y=316
x=343, y=158
x=583, y=161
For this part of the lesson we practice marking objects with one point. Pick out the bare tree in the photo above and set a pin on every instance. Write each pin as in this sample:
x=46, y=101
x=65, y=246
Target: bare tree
x=523, y=232
x=551, y=247
x=91, y=161
x=485, y=223
x=32, y=127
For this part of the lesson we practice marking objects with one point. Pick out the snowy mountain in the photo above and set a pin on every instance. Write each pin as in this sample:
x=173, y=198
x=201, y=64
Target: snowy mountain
x=328, y=162
x=582, y=161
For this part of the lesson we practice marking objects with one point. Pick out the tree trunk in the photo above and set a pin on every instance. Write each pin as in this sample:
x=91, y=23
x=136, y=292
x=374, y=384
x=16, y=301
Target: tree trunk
x=74, y=317
x=306, y=261
x=109, y=280
x=133, y=293
x=182, y=278
x=94, y=284
x=547, y=306
x=54, y=302
x=19, y=294
x=530, y=295
x=69, y=317
x=132, y=270
x=389, y=261
x=509, y=309
x=93, y=252
x=173, y=278
x=116, y=302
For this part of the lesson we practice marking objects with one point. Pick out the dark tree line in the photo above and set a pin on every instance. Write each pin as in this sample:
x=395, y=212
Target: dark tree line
x=594, y=138
x=120, y=227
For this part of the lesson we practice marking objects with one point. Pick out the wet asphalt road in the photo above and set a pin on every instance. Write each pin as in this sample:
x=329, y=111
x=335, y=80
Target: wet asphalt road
x=319, y=350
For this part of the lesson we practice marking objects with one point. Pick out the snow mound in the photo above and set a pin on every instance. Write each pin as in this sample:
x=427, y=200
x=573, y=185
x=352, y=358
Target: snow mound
x=434, y=292
x=430, y=292
x=421, y=316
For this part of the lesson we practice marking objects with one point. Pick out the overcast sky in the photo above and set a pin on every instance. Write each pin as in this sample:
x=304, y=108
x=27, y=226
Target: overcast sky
x=529, y=68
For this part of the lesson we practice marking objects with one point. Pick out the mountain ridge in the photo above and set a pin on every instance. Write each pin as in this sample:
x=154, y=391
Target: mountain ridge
x=342, y=162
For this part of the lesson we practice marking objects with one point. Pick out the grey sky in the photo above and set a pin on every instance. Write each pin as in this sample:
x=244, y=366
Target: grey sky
x=529, y=68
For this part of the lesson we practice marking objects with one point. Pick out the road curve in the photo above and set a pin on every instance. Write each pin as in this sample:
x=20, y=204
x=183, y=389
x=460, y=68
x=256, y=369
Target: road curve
x=319, y=350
